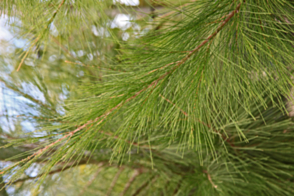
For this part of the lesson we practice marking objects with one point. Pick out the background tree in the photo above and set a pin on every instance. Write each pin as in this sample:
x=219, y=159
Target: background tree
x=188, y=99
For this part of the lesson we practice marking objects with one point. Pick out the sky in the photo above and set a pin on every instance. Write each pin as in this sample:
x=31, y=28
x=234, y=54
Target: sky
x=8, y=43
x=128, y=2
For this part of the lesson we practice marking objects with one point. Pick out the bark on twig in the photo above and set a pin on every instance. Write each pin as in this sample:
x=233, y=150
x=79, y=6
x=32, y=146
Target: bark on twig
x=209, y=178
x=114, y=180
x=131, y=180
x=138, y=191
x=91, y=180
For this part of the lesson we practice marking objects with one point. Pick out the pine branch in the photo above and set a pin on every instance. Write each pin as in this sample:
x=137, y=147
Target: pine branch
x=155, y=82
x=39, y=152
x=101, y=118
x=39, y=37
x=261, y=163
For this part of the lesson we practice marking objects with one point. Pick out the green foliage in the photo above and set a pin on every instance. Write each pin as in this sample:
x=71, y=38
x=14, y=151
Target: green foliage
x=193, y=102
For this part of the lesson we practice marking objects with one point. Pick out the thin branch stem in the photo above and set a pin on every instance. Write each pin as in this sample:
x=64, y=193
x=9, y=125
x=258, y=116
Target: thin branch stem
x=131, y=180
x=91, y=180
x=26, y=54
x=169, y=101
x=114, y=181
x=151, y=180
x=38, y=38
x=61, y=46
x=209, y=178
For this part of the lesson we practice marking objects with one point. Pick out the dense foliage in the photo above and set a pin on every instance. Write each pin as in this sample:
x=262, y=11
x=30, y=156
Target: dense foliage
x=190, y=98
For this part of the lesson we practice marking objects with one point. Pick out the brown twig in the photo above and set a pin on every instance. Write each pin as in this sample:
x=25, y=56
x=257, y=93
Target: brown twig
x=114, y=180
x=26, y=54
x=169, y=101
x=91, y=180
x=229, y=16
x=162, y=67
x=61, y=46
x=38, y=38
x=178, y=187
x=209, y=178
x=136, y=173
x=150, y=181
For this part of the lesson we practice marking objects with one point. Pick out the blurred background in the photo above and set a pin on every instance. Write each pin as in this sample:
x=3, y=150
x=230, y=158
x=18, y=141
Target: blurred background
x=55, y=65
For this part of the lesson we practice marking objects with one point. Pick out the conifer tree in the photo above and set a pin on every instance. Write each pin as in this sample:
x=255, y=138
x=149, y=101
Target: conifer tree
x=192, y=98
